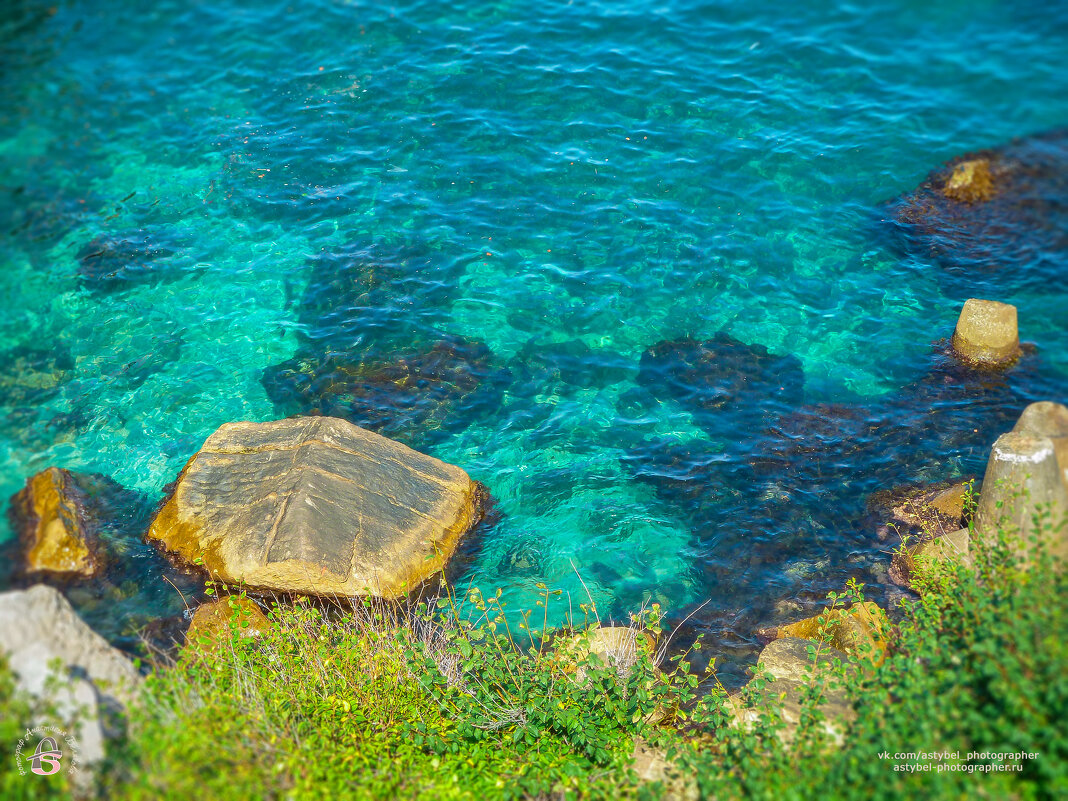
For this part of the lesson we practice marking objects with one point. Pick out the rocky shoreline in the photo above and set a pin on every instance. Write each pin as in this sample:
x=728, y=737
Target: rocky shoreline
x=317, y=506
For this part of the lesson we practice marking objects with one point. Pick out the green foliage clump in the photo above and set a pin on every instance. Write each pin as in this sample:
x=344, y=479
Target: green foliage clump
x=975, y=675
x=19, y=712
x=378, y=704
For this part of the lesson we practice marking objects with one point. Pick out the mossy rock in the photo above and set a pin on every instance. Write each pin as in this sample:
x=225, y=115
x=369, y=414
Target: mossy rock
x=862, y=629
x=234, y=615
x=970, y=182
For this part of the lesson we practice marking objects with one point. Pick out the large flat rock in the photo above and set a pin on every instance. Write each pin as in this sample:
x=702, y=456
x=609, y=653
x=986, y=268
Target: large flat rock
x=316, y=505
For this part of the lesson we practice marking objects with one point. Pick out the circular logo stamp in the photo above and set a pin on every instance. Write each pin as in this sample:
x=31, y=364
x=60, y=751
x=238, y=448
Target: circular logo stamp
x=53, y=749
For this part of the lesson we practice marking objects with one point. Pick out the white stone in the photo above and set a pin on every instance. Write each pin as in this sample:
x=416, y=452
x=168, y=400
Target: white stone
x=37, y=626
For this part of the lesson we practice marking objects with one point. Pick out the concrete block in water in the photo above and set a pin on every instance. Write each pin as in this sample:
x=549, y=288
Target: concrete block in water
x=1022, y=478
x=987, y=334
x=1048, y=419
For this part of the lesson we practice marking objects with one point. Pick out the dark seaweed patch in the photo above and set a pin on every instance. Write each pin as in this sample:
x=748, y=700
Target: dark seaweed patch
x=408, y=395
x=727, y=385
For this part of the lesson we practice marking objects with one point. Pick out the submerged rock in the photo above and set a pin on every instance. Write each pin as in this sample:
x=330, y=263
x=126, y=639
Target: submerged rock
x=727, y=385
x=53, y=521
x=524, y=558
x=316, y=505
x=801, y=483
x=371, y=350
x=408, y=394
x=951, y=409
x=550, y=369
x=375, y=296
x=1000, y=212
x=30, y=376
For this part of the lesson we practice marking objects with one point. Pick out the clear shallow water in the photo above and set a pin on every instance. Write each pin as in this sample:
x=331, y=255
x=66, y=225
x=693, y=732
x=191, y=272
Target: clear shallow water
x=567, y=185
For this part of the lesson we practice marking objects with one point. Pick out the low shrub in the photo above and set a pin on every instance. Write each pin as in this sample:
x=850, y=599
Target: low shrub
x=431, y=703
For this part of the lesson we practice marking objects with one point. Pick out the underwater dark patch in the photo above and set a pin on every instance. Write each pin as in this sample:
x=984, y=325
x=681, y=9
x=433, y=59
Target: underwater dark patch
x=378, y=295
x=42, y=215
x=29, y=375
x=563, y=368
x=126, y=374
x=411, y=395
x=114, y=263
x=727, y=385
x=372, y=352
x=992, y=217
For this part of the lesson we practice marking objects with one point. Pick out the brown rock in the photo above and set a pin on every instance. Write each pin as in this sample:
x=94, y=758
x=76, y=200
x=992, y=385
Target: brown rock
x=50, y=518
x=1023, y=477
x=987, y=334
x=788, y=662
x=316, y=505
x=217, y=618
x=925, y=510
x=652, y=765
x=954, y=546
x=950, y=501
x=970, y=182
x=788, y=659
x=855, y=631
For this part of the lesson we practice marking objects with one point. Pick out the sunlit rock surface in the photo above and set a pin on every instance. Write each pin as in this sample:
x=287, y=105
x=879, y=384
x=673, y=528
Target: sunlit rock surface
x=316, y=505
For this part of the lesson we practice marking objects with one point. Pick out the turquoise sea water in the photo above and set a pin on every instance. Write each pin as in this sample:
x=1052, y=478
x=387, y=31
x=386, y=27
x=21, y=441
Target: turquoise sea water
x=211, y=209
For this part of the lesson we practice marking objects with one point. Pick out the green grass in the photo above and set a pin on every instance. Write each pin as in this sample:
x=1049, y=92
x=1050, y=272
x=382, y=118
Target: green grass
x=448, y=702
